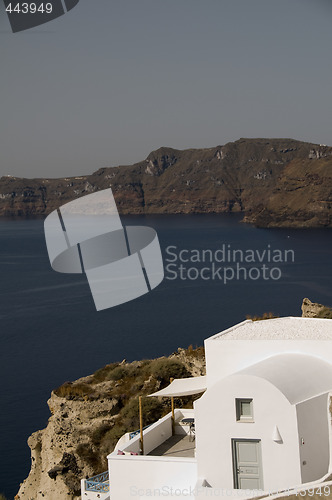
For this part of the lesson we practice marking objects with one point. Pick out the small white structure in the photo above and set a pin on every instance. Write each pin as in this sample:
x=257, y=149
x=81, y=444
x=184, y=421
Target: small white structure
x=273, y=425
x=263, y=424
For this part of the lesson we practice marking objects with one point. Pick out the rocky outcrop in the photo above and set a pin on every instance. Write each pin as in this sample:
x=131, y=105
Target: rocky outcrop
x=56, y=468
x=310, y=309
x=274, y=182
x=89, y=415
x=315, y=310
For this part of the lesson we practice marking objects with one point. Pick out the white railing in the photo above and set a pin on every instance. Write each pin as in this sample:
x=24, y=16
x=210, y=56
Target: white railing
x=134, y=474
x=140, y=468
x=155, y=434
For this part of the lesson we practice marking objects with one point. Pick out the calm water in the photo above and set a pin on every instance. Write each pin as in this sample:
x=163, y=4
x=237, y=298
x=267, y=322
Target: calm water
x=50, y=331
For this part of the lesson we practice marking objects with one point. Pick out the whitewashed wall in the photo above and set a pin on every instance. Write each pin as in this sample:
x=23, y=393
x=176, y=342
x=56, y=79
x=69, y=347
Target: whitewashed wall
x=156, y=434
x=153, y=436
x=216, y=426
x=148, y=477
x=131, y=475
x=313, y=425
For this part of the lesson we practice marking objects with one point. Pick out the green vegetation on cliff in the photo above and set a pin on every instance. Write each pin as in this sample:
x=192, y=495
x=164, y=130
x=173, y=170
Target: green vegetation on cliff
x=122, y=383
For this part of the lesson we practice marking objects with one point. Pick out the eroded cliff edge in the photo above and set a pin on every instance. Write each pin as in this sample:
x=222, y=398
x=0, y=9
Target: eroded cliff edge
x=89, y=415
x=273, y=182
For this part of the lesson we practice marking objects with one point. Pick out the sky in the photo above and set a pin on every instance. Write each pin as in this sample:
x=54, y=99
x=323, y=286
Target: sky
x=113, y=80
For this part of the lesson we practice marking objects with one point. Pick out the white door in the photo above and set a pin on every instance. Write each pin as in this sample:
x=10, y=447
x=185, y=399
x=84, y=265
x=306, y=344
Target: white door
x=247, y=464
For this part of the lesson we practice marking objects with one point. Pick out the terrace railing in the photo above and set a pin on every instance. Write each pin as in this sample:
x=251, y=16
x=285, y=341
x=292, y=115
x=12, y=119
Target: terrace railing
x=98, y=483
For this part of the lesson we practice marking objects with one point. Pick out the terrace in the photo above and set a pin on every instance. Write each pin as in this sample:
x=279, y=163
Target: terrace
x=176, y=446
x=166, y=453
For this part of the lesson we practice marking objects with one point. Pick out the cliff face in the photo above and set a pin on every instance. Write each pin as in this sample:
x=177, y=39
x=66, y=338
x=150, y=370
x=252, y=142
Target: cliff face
x=55, y=465
x=275, y=182
x=89, y=415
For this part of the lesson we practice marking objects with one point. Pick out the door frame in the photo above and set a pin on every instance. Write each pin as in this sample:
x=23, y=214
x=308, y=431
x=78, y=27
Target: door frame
x=234, y=460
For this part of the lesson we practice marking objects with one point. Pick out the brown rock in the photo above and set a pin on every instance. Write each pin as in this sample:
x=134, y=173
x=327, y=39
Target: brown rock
x=274, y=182
x=311, y=309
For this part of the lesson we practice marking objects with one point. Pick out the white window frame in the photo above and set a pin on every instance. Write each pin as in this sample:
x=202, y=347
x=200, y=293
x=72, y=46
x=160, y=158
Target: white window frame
x=239, y=416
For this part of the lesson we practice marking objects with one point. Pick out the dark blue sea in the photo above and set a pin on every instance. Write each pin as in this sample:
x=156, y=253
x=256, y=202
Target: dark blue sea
x=51, y=333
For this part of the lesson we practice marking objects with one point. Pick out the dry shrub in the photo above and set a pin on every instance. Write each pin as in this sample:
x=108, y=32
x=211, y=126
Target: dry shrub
x=99, y=433
x=86, y=452
x=266, y=315
x=164, y=369
x=195, y=352
x=73, y=391
x=103, y=373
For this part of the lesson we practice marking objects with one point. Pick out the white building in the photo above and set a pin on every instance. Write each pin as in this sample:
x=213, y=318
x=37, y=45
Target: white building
x=263, y=422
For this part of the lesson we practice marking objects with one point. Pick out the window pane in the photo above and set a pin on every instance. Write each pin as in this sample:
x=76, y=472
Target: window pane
x=245, y=409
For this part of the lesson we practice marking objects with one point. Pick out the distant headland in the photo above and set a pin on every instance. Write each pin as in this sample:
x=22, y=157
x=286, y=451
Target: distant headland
x=272, y=182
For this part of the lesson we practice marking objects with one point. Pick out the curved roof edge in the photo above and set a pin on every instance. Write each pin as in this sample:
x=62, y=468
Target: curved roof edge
x=298, y=376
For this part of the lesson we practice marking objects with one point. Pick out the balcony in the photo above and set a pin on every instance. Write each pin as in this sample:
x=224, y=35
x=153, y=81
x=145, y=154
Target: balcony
x=168, y=461
x=96, y=487
x=167, y=458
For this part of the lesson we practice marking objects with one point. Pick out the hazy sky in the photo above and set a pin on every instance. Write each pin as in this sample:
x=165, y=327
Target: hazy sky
x=114, y=79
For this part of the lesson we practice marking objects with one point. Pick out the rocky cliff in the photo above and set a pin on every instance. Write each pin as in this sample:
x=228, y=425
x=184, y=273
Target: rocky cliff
x=274, y=182
x=315, y=310
x=89, y=415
